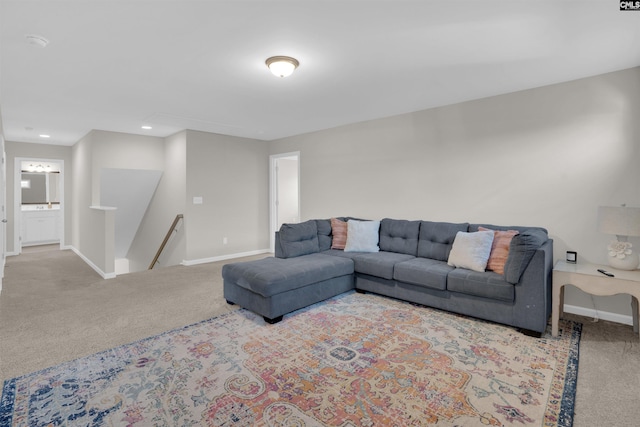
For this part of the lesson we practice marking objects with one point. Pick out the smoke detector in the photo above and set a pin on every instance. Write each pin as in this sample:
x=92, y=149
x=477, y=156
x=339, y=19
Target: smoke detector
x=37, y=40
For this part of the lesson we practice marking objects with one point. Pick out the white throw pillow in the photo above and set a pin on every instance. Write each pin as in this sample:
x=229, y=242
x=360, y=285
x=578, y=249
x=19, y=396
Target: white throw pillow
x=471, y=250
x=363, y=236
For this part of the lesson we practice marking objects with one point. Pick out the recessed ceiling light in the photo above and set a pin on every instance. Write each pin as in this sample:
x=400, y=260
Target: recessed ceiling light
x=37, y=40
x=45, y=136
x=147, y=127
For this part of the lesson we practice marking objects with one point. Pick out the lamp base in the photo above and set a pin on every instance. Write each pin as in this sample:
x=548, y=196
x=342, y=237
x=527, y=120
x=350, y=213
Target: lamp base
x=629, y=262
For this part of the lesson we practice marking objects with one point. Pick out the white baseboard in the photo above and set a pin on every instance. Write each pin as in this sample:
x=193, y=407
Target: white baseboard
x=604, y=315
x=92, y=265
x=62, y=248
x=224, y=257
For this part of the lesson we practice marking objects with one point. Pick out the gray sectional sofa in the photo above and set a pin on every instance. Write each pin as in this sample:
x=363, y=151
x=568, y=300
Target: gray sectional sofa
x=411, y=265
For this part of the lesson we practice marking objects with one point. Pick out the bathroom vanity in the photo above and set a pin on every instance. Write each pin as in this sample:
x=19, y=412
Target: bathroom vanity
x=40, y=224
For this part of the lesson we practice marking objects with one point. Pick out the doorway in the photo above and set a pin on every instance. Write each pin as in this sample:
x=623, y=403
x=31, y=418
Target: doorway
x=38, y=202
x=284, y=193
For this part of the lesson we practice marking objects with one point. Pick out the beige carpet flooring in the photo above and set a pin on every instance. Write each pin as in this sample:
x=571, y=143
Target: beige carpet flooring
x=53, y=308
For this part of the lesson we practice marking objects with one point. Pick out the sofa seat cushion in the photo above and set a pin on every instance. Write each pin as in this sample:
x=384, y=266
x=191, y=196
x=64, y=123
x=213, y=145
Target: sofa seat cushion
x=424, y=272
x=379, y=264
x=271, y=276
x=487, y=284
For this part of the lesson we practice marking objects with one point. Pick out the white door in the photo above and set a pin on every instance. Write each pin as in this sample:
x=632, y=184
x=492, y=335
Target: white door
x=285, y=191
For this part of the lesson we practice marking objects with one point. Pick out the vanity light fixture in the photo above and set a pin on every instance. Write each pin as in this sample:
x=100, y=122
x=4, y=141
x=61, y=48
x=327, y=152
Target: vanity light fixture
x=282, y=66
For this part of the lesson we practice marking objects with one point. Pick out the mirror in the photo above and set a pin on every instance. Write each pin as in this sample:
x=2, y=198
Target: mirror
x=40, y=187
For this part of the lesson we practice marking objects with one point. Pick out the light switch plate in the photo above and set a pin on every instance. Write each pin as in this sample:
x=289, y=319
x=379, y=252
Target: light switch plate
x=197, y=200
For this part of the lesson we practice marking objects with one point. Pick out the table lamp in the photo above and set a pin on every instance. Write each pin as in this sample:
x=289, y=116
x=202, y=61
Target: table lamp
x=623, y=222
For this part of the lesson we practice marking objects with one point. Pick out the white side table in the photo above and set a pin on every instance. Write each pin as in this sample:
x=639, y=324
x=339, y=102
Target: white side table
x=587, y=278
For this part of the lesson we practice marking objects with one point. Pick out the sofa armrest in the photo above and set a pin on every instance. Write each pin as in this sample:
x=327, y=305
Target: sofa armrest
x=521, y=251
x=533, y=292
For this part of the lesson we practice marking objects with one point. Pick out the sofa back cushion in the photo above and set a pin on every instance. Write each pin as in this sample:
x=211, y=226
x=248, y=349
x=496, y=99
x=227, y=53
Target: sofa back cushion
x=324, y=234
x=299, y=239
x=399, y=235
x=436, y=238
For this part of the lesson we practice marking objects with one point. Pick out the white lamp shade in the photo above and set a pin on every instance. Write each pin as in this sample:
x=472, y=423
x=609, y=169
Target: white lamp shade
x=619, y=220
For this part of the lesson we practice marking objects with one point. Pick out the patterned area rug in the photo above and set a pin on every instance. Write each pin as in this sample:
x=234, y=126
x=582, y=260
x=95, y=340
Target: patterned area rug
x=354, y=360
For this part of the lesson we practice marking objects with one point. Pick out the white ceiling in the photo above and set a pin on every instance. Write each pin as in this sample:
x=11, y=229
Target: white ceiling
x=174, y=65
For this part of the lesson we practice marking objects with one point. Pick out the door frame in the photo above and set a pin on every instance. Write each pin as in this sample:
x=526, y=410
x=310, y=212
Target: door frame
x=17, y=200
x=3, y=213
x=273, y=194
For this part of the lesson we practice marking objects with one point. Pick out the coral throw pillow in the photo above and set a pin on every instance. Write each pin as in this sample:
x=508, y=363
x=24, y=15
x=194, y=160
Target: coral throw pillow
x=339, y=231
x=499, y=249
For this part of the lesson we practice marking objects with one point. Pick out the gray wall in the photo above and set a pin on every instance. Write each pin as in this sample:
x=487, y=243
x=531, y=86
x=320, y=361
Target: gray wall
x=123, y=151
x=542, y=157
x=81, y=177
x=96, y=151
x=232, y=176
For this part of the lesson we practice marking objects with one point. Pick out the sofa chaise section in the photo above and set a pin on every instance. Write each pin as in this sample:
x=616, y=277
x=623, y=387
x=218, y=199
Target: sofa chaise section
x=273, y=286
x=298, y=277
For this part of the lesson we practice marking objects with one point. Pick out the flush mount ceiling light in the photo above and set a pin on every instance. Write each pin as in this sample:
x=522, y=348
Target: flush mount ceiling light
x=282, y=66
